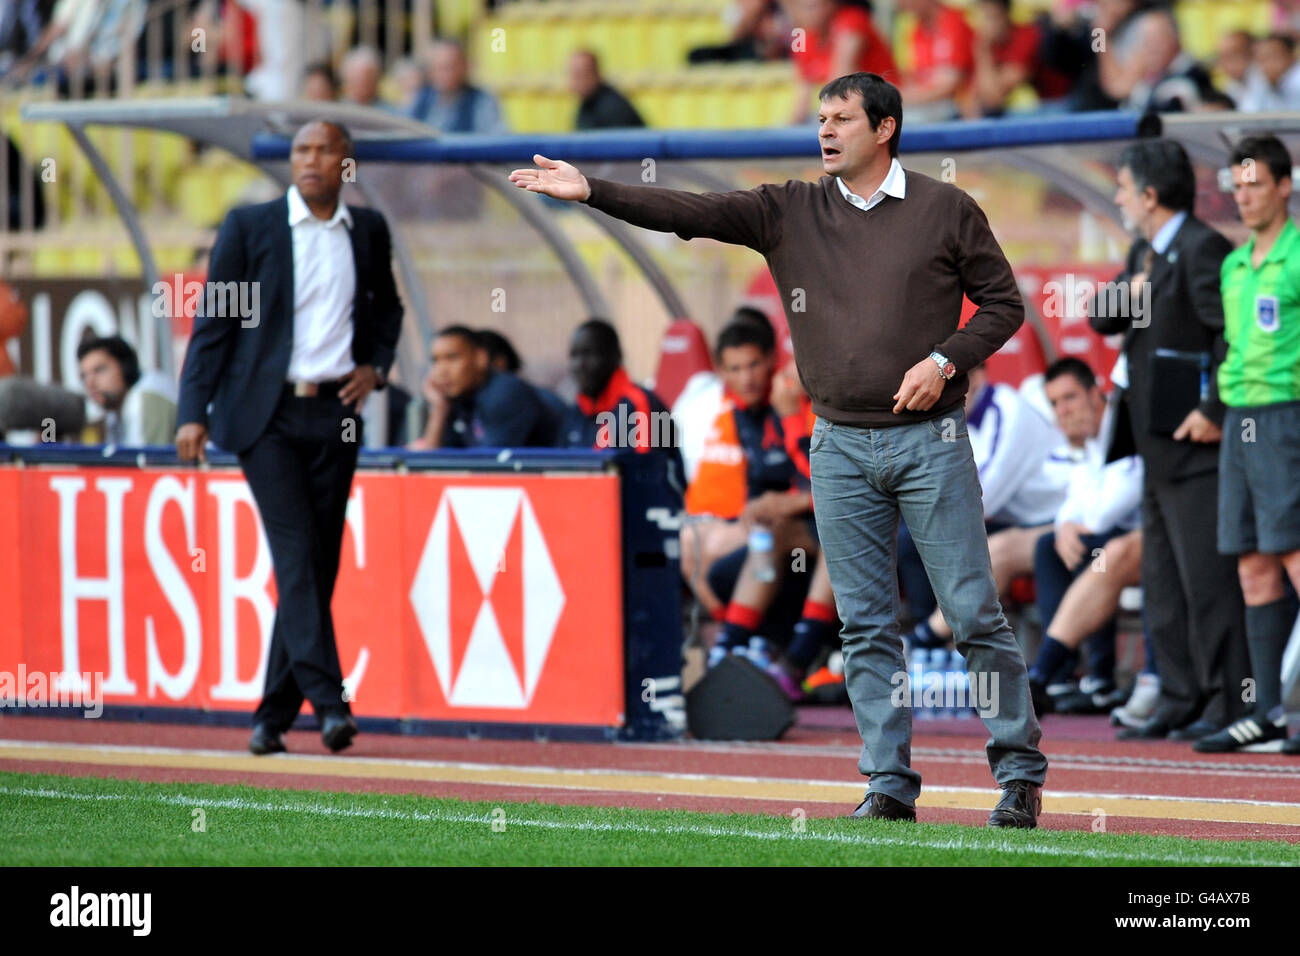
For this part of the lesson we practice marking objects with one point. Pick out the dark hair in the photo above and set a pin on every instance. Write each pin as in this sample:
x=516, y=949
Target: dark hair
x=119, y=350
x=1004, y=4
x=1282, y=38
x=321, y=68
x=498, y=346
x=1162, y=165
x=343, y=131
x=463, y=332
x=880, y=98
x=746, y=332
x=747, y=313
x=1070, y=365
x=605, y=333
x=1267, y=149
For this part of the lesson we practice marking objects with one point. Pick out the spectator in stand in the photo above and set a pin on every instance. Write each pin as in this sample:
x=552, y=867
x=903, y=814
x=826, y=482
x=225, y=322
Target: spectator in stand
x=280, y=59
x=1170, y=413
x=1232, y=63
x=1147, y=69
x=22, y=22
x=1067, y=44
x=1259, y=464
x=1006, y=57
x=360, y=72
x=319, y=84
x=84, y=38
x=943, y=61
x=449, y=102
x=474, y=406
x=140, y=408
x=600, y=106
x=834, y=38
x=1273, y=79
x=408, y=79
x=1286, y=17
x=760, y=31
x=747, y=470
x=1024, y=482
x=1102, y=502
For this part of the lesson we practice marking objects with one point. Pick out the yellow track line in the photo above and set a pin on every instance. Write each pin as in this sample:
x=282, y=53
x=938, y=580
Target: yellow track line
x=794, y=792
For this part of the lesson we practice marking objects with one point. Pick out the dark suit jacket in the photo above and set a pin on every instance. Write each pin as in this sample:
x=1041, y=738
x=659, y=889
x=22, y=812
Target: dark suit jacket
x=241, y=370
x=1186, y=315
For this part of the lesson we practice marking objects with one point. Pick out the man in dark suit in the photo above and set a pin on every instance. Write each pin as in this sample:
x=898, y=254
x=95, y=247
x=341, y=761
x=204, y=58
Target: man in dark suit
x=1170, y=303
x=285, y=388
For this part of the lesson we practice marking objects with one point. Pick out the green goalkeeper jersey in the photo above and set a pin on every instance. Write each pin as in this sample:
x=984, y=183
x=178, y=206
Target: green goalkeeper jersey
x=1261, y=313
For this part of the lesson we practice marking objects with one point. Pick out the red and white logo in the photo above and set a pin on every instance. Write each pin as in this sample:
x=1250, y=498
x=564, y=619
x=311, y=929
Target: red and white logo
x=487, y=597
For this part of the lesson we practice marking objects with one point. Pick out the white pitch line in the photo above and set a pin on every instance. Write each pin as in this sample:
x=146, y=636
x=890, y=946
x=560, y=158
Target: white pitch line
x=544, y=770
x=960, y=844
x=1105, y=764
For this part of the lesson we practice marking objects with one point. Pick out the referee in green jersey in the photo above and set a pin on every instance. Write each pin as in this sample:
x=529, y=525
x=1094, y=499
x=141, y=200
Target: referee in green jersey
x=1259, y=464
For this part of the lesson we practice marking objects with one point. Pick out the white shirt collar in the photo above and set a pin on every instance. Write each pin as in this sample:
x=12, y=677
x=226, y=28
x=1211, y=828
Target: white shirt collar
x=894, y=184
x=1161, y=240
x=298, y=211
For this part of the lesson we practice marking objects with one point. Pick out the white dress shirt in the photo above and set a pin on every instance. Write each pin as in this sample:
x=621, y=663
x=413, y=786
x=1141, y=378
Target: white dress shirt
x=1024, y=483
x=894, y=184
x=324, y=287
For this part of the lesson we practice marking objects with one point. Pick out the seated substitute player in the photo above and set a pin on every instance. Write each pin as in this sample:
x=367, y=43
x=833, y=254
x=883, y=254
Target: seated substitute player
x=747, y=473
x=1023, y=473
x=1103, y=502
x=474, y=406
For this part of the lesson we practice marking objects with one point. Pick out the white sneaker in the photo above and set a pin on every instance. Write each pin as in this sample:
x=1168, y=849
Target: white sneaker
x=1141, y=703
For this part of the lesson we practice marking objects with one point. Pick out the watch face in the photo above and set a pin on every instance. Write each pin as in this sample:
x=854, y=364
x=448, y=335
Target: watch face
x=949, y=370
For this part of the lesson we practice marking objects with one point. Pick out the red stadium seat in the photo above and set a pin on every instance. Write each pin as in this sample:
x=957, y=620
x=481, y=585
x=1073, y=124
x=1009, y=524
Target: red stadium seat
x=762, y=294
x=682, y=352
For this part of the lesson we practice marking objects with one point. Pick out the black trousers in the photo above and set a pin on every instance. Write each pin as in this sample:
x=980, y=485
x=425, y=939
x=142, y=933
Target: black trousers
x=300, y=473
x=1194, y=609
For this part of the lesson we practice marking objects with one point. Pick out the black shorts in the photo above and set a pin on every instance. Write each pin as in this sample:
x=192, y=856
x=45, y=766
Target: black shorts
x=1259, y=480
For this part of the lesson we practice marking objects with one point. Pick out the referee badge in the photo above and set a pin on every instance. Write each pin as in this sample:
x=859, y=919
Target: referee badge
x=1266, y=312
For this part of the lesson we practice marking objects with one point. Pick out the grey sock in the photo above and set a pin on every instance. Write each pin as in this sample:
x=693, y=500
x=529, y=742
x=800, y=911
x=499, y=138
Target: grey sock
x=1268, y=627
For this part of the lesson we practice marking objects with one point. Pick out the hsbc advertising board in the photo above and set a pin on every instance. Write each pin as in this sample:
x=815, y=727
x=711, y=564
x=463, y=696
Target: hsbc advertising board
x=461, y=597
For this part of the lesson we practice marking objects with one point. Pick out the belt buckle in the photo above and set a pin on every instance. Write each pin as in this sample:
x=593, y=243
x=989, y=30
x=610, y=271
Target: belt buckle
x=305, y=389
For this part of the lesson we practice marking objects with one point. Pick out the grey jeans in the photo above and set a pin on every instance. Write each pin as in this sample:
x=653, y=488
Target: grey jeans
x=862, y=479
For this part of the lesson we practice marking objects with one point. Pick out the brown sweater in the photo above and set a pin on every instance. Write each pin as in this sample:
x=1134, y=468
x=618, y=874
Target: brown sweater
x=868, y=294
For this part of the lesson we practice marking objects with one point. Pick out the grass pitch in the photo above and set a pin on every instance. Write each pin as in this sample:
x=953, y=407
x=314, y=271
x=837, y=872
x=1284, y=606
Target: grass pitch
x=51, y=820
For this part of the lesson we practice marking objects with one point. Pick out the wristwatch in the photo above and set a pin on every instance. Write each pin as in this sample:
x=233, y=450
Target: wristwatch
x=379, y=374
x=946, y=368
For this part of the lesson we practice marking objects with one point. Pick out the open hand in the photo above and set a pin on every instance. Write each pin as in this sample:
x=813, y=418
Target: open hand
x=554, y=178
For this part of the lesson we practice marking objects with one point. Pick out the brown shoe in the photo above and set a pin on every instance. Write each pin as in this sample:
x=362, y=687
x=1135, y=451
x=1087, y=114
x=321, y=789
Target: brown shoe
x=1019, y=807
x=881, y=806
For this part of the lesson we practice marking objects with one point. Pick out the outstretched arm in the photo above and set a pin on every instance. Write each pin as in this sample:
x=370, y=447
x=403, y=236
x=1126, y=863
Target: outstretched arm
x=746, y=217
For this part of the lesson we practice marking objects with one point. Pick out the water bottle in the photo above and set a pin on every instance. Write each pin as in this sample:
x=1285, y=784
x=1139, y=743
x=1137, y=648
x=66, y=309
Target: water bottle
x=760, y=554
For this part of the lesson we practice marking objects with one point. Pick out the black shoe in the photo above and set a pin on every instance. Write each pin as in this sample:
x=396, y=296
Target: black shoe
x=1291, y=746
x=1043, y=704
x=1195, y=730
x=1019, y=807
x=1157, y=728
x=1100, y=699
x=1241, y=734
x=881, y=806
x=266, y=740
x=337, y=731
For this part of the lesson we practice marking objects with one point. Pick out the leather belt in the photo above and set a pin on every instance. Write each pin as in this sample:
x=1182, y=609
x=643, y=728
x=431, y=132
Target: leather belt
x=314, y=389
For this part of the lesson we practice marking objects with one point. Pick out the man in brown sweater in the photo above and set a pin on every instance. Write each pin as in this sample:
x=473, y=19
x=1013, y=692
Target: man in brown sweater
x=872, y=262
